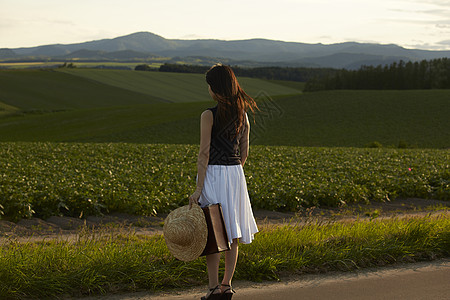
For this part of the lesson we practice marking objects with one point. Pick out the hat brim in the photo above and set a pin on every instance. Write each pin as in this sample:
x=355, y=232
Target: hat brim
x=199, y=235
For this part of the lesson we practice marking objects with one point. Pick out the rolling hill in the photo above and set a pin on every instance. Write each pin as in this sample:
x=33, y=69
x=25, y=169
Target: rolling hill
x=153, y=107
x=172, y=87
x=63, y=89
x=48, y=90
x=105, y=105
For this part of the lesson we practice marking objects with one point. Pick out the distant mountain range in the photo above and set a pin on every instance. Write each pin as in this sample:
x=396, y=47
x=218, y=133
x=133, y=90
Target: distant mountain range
x=146, y=46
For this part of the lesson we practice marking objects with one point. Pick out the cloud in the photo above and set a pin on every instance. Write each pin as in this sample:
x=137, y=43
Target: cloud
x=443, y=3
x=443, y=23
x=444, y=42
x=422, y=12
x=34, y=22
x=442, y=13
x=423, y=46
x=442, y=45
x=192, y=36
x=360, y=40
x=58, y=22
x=433, y=13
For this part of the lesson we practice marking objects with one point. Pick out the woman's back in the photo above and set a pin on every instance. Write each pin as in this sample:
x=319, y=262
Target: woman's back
x=224, y=147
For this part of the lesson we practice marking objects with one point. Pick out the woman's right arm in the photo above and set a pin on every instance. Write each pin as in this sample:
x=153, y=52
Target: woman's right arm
x=244, y=141
x=206, y=122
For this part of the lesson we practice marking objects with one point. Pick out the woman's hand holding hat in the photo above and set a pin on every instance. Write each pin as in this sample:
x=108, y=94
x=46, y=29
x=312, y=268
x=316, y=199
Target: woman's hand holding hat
x=193, y=199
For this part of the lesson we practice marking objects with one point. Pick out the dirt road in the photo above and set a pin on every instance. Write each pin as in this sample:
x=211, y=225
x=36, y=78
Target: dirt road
x=426, y=280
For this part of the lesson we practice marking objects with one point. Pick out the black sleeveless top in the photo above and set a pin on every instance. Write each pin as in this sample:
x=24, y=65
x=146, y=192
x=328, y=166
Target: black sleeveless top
x=224, y=147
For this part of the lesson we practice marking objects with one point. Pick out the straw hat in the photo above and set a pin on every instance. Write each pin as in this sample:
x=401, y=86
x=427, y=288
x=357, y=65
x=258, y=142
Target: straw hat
x=185, y=232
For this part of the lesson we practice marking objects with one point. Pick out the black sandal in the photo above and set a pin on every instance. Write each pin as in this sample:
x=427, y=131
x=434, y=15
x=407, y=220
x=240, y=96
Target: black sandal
x=213, y=296
x=229, y=295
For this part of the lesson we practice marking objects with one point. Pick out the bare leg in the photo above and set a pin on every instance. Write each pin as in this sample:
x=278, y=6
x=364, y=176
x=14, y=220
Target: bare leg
x=212, y=262
x=230, y=264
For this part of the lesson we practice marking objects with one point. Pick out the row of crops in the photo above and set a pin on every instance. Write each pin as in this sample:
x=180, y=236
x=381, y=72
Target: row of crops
x=78, y=179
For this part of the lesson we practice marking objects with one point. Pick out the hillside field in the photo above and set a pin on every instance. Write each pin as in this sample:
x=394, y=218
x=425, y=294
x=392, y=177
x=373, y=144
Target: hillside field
x=91, y=105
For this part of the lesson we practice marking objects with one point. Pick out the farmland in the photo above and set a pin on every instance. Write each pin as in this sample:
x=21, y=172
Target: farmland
x=151, y=107
x=76, y=179
x=159, y=110
x=81, y=143
x=140, y=129
x=173, y=87
x=357, y=118
x=85, y=88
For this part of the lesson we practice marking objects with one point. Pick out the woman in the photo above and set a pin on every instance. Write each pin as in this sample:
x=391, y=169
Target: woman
x=224, y=144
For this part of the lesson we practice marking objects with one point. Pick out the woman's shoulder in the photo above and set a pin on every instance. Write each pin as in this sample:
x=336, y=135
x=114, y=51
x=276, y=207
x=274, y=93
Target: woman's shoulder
x=207, y=115
x=207, y=112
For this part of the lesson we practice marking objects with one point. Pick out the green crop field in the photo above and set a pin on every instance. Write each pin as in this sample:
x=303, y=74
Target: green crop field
x=102, y=106
x=91, y=105
x=137, y=124
x=48, y=90
x=419, y=118
x=172, y=87
x=154, y=107
x=77, y=179
x=86, y=88
x=106, y=105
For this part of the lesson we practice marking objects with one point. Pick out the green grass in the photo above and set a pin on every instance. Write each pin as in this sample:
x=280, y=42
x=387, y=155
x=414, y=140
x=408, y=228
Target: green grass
x=47, y=91
x=356, y=118
x=106, y=262
x=329, y=119
x=172, y=87
x=86, y=88
x=128, y=106
x=44, y=179
x=136, y=123
x=296, y=85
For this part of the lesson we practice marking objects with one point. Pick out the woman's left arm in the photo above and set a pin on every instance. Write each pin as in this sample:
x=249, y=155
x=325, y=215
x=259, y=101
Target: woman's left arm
x=206, y=122
x=244, y=141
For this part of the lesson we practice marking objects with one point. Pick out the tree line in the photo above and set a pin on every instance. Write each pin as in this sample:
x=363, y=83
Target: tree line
x=432, y=74
x=425, y=74
x=272, y=73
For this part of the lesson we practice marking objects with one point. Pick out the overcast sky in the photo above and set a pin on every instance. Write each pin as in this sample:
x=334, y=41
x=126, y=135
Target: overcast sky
x=423, y=24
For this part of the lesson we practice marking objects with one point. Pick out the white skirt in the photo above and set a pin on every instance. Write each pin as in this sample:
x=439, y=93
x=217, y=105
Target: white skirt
x=226, y=185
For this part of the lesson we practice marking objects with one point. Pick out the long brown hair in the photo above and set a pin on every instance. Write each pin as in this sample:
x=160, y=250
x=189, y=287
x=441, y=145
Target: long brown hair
x=232, y=101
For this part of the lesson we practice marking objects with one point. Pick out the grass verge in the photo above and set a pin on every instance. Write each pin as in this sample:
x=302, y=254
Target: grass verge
x=107, y=262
